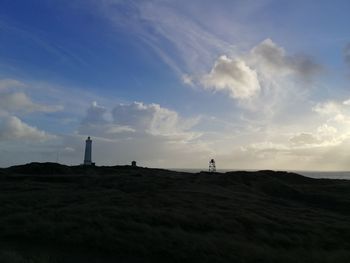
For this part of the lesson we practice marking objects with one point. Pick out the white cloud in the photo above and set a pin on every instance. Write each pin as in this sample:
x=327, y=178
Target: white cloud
x=334, y=110
x=13, y=99
x=12, y=128
x=324, y=136
x=233, y=76
x=95, y=114
x=96, y=123
x=266, y=75
x=346, y=102
x=151, y=118
x=19, y=101
x=326, y=130
x=304, y=139
x=326, y=108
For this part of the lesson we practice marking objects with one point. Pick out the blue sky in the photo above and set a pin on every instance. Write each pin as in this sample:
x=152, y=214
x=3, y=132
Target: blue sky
x=253, y=84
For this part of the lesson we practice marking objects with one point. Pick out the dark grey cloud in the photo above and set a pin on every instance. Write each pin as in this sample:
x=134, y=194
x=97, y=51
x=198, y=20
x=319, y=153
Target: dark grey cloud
x=304, y=65
x=274, y=58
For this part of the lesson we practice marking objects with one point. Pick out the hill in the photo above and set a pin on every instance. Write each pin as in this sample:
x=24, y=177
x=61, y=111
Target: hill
x=56, y=213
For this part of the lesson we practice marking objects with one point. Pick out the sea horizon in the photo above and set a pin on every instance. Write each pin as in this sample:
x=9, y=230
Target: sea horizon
x=345, y=175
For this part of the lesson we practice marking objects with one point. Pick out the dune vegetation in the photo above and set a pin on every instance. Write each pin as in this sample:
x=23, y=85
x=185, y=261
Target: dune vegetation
x=56, y=213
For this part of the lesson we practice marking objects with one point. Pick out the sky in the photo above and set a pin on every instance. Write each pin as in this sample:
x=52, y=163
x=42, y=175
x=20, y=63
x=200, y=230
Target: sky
x=253, y=84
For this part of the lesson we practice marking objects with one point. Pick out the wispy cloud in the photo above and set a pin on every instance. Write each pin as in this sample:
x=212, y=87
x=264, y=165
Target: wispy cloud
x=179, y=40
x=7, y=84
x=42, y=41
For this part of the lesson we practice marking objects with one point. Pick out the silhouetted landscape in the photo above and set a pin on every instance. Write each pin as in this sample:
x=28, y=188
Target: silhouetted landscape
x=57, y=213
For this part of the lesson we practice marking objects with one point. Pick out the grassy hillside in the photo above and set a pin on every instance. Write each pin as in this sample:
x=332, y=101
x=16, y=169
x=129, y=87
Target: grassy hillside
x=55, y=213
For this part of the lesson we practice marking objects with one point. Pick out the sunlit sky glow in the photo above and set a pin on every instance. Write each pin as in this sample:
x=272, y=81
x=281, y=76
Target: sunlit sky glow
x=254, y=84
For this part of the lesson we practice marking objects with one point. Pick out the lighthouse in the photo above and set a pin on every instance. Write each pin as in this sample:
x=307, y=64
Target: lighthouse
x=88, y=150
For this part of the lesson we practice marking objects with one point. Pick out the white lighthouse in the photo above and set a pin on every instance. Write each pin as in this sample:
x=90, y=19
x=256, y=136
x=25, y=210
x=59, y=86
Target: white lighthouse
x=88, y=150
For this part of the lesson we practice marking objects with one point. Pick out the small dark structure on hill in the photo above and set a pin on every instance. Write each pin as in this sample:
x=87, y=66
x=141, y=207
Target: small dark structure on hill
x=212, y=166
x=133, y=164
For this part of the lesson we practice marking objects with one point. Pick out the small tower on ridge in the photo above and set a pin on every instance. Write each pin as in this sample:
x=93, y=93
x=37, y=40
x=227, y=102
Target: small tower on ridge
x=212, y=166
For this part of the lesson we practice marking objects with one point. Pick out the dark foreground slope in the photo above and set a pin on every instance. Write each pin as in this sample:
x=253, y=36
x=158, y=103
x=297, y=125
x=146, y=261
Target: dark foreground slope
x=54, y=213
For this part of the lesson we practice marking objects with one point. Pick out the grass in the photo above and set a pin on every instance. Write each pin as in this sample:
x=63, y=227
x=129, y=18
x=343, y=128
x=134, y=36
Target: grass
x=53, y=213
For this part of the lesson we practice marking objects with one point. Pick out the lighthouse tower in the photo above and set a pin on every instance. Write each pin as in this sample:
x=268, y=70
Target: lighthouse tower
x=88, y=149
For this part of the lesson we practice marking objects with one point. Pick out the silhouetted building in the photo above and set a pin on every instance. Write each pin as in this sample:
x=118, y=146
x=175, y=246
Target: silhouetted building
x=212, y=166
x=133, y=164
x=88, y=151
